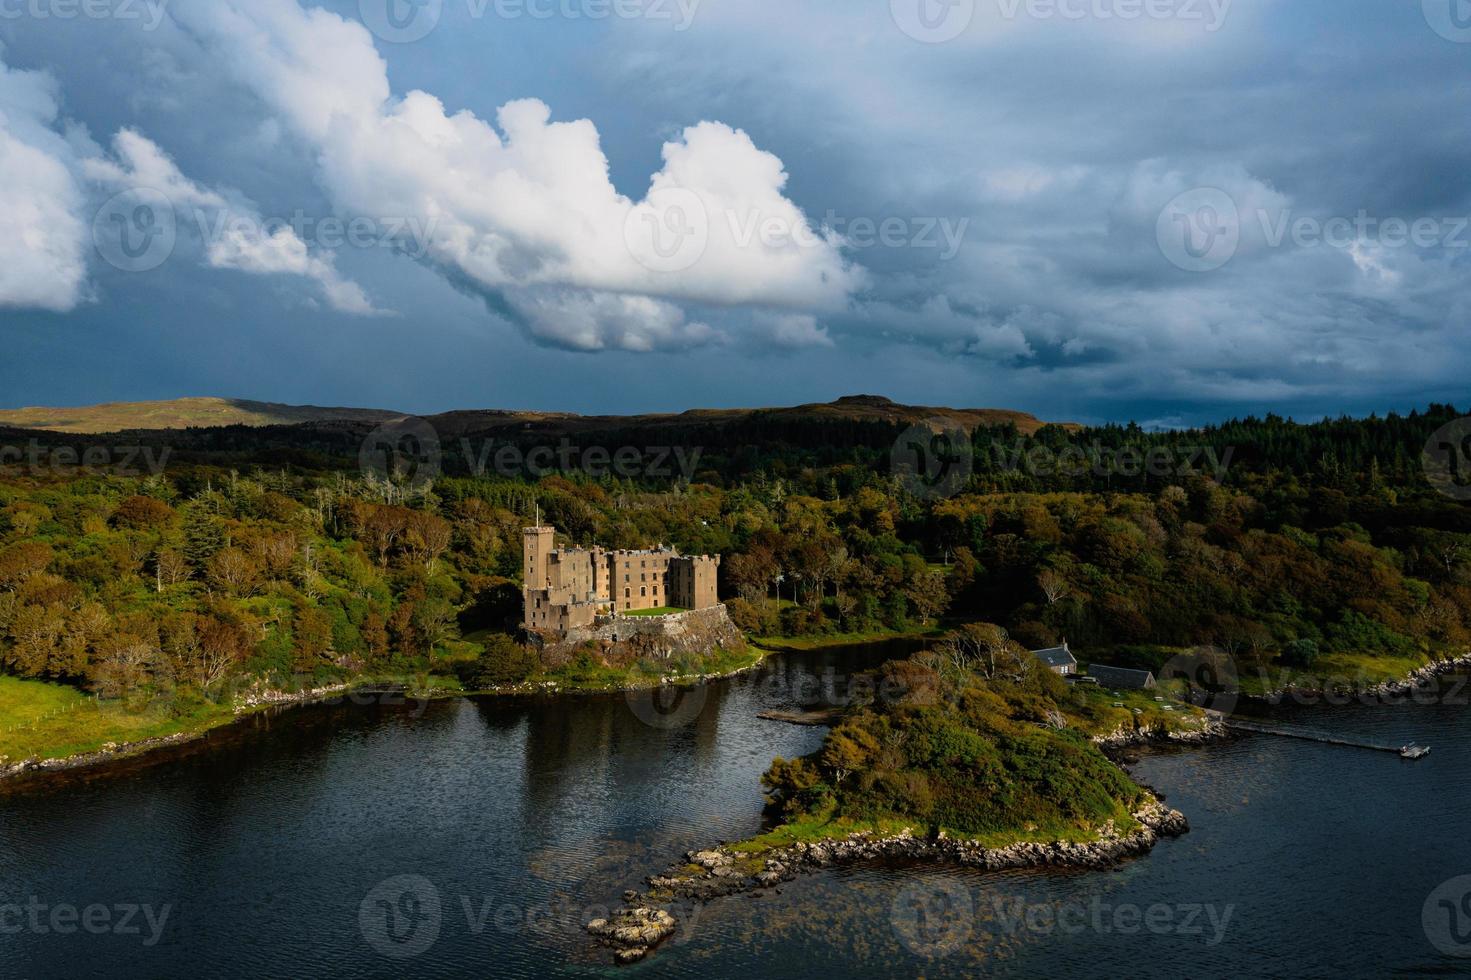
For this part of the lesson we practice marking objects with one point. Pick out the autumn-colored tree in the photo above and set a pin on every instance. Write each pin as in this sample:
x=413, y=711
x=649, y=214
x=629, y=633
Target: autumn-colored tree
x=144, y=513
x=312, y=636
x=233, y=572
x=20, y=561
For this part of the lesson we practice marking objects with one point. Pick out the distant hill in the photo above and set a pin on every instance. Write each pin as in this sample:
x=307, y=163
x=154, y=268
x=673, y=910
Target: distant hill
x=181, y=413
x=863, y=409
x=186, y=413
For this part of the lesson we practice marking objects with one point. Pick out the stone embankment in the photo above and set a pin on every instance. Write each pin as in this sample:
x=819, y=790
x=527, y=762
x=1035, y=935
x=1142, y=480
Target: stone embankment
x=698, y=632
x=633, y=932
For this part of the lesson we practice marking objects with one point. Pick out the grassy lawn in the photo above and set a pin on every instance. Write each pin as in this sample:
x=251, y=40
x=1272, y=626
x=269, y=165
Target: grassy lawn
x=815, y=830
x=1099, y=716
x=51, y=721
x=591, y=676
x=666, y=611
x=821, y=641
x=1354, y=671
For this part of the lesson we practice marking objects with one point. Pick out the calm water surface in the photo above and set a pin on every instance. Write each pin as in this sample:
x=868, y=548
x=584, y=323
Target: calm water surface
x=520, y=820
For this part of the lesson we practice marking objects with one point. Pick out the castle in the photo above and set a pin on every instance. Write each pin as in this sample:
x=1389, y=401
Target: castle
x=570, y=588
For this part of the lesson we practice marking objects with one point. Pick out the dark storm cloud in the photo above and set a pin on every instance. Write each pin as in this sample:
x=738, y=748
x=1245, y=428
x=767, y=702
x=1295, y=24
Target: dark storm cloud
x=1055, y=144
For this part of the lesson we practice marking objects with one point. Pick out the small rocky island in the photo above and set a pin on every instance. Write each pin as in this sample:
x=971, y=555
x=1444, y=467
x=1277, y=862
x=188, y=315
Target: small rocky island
x=975, y=755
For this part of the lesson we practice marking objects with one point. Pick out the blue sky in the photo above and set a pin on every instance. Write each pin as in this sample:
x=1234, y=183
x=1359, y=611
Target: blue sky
x=1162, y=210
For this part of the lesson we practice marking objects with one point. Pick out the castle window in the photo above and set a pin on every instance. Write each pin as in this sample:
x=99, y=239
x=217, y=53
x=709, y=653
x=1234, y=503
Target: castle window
x=643, y=592
x=628, y=593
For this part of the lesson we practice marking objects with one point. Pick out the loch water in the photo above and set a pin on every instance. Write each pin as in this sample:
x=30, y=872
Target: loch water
x=473, y=838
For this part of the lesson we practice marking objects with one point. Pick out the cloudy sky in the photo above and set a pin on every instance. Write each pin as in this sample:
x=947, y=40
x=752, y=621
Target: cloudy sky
x=1161, y=210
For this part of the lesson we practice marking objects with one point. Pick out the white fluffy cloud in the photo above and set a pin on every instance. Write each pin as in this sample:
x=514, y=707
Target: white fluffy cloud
x=43, y=251
x=525, y=208
x=235, y=234
x=47, y=171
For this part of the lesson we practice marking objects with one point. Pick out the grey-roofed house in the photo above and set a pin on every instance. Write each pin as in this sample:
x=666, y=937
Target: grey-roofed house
x=1059, y=660
x=1122, y=677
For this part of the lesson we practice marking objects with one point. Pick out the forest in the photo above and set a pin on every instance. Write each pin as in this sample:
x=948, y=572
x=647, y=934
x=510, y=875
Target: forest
x=241, y=565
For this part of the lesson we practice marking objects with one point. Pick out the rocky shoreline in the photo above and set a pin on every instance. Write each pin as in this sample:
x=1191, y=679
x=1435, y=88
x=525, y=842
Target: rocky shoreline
x=1410, y=684
x=245, y=704
x=110, y=752
x=634, y=931
x=258, y=699
x=1126, y=738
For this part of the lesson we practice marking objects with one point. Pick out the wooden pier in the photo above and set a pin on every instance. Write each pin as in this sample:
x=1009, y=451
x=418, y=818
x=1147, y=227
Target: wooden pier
x=1405, y=751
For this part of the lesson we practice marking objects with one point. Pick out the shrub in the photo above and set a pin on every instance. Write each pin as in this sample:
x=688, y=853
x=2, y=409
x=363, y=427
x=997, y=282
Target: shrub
x=1300, y=653
x=504, y=661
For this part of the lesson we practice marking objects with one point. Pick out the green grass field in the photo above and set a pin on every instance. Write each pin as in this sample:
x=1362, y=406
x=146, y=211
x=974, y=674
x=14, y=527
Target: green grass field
x=39, y=720
x=822, y=641
x=1339, y=670
x=1098, y=716
x=666, y=611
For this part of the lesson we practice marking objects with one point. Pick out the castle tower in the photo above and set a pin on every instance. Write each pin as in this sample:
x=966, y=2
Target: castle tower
x=536, y=554
x=536, y=557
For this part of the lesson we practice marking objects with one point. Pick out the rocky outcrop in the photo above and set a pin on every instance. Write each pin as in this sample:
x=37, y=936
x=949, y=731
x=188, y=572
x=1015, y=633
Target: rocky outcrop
x=1126, y=737
x=633, y=932
x=722, y=871
x=626, y=639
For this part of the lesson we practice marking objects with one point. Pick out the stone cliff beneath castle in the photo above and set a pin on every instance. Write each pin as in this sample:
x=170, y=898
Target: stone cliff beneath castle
x=626, y=639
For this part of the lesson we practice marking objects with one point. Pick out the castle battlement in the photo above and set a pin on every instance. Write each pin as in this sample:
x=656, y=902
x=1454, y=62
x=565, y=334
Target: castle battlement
x=569, y=588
